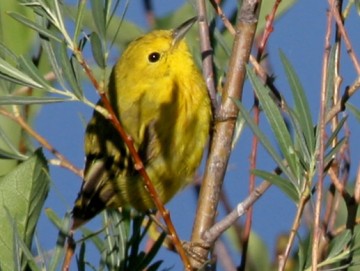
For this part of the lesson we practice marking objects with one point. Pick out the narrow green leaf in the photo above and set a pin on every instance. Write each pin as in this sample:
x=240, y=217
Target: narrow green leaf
x=64, y=227
x=285, y=185
x=152, y=253
x=80, y=260
x=277, y=124
x=262, y=138
x=357, y=5
x=339, y=244
x=19, y=77
x=330, y=79
x=52, y=56
x=303, y=149
x=302, y=107
x=79, y=19
x=335, y=133
x=302, y=252
x=97, y=50
x=354, y=110
x=23, y=192
x=10, y=155
x=27, y=259
x=28, y=66
x=331, y=154
x=41, y=255
x=111, y=242
x=94, y=237
x=37, y=27
x=5, y=53
x=98, y=13
x=239, y=128
x=13, y=152
x=22, y=100
x=69, y=73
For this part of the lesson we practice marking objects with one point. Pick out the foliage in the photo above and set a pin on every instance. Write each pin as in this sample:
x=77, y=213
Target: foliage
x=62, y=47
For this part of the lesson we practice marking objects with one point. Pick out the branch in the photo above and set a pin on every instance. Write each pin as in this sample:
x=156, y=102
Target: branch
x=63, y=162
x=224, y=127
x=206, y=53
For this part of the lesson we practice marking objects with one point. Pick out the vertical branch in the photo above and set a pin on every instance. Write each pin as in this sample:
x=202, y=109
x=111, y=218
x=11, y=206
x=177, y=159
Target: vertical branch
x=206, y=53
x=321, y=152
x=334, y=198
x=224, y=127
x=249, y=215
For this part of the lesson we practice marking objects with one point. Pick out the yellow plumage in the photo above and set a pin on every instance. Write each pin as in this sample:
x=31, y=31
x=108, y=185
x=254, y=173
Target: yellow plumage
x=161, y=100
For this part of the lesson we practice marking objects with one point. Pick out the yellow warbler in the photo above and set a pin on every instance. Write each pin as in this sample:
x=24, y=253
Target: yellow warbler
x=161, y=100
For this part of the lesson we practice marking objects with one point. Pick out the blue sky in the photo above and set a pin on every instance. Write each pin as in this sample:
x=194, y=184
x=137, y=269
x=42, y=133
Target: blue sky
x=300, y=34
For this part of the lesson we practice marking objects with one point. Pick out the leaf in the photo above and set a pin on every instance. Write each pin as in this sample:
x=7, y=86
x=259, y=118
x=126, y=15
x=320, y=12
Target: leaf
x=69, y=72
x=49, y=47
x=13, y=152
x=35, y=26
x=23, y=192
x=19, y=38
x=64, y=227
x=302, y=107
x=277, y=124
x=79, y=19
x=97, y=50
x=354, y=110
x=335, y=133
x=285, y=185
x=22, y=100
x=330, y=79
x=152, y=253
x=99, y=17
x=357, y=4
x=132, y=30
x=339, y=244
x=8, y=72
x=30, y=69
x=262, y=138
x=336, y=149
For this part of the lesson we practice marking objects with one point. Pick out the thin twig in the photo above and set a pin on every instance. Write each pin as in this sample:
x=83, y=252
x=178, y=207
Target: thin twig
x=321, y=151
x=214, y=232
x=63, y=162
x=206, y=53
x=268, y=29
x=294, y=229
x=350, y=50
x=333, y=200
x=221, y=14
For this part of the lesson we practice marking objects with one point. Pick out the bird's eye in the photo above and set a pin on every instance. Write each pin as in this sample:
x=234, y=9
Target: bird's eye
x=154, y=57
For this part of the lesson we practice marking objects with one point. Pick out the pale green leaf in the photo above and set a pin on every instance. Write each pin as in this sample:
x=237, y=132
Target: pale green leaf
x=285, y=185
x=97, y=50
x=69, y=73
x=35, y=26
x=262, y=138
x=302, y=107
x=21, y=100
x=277, y=124
x=23, y=192
x=8, y=72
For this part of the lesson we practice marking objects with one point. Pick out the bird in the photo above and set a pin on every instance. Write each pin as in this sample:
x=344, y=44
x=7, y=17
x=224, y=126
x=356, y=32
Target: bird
x=160, y=98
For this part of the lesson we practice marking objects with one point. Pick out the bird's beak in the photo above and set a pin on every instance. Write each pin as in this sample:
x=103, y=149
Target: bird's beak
x=179, y=33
